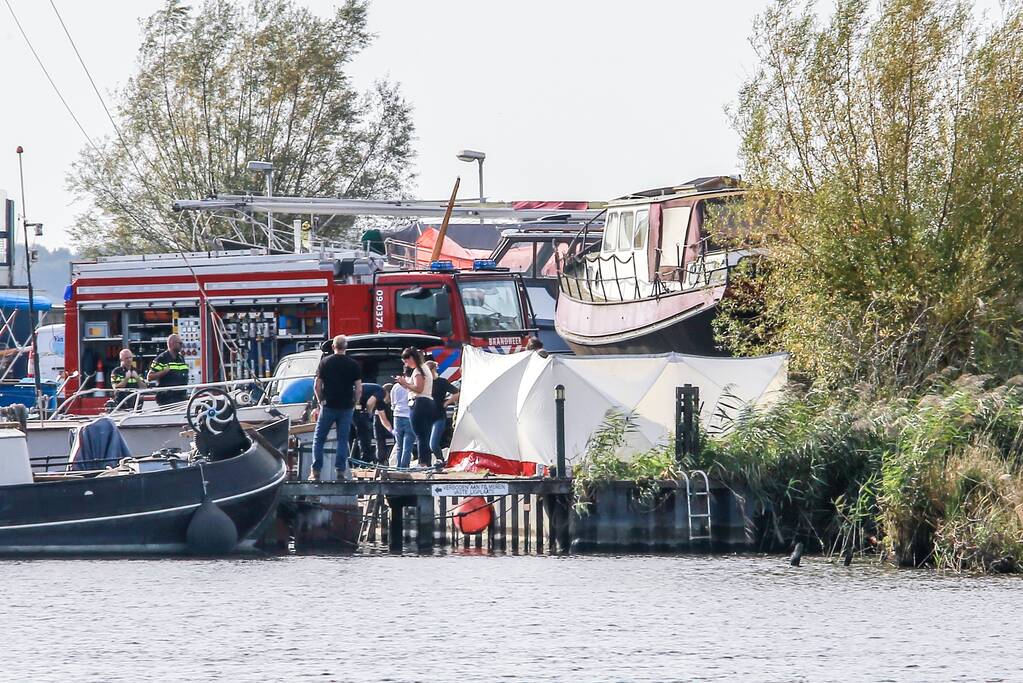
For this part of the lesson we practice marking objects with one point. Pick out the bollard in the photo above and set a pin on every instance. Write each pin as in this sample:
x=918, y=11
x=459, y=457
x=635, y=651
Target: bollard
x=797, y=555
x=559, y=420
x=687, y=413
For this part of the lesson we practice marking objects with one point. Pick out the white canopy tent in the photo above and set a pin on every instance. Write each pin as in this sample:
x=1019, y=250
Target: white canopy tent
x=506, y=410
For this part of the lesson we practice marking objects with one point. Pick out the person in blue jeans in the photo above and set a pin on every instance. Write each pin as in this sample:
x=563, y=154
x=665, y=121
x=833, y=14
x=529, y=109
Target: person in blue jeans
x=404, y=436
x=444, y=394
x=338, y=387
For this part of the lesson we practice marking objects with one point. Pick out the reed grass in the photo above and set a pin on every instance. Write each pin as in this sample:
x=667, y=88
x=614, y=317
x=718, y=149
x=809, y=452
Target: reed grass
x=935, y=479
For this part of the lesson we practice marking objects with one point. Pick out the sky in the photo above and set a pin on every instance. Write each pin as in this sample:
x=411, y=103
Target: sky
x=569, y=100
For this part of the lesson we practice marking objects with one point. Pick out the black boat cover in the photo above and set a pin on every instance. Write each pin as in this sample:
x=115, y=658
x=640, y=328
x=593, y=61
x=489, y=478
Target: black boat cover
x=97, y=445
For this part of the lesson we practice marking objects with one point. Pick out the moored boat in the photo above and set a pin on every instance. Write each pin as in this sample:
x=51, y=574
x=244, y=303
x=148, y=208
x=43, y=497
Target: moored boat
x=162, y=503
x=654, y=281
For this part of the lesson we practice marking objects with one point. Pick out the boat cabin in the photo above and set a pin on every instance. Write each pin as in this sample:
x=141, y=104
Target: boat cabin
x=658, y=241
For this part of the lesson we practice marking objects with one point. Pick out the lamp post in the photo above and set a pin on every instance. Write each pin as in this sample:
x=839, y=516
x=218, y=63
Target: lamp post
x=267, y=169
x=28, y=275
x=469, y=156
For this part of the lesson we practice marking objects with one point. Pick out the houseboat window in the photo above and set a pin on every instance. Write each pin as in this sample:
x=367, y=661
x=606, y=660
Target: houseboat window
x=642, y=227
x=491, y=306
x=546, y=256
x=625, y=231
x=610, y=233
x=519, y=257
x=423, y=309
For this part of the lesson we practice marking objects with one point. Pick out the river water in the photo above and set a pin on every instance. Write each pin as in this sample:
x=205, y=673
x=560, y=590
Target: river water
x=458, y=617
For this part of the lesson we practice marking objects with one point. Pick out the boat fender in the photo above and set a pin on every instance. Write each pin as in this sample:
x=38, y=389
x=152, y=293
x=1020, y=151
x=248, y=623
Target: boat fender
x=211, y=531
x=473, y=515
x=797, y=555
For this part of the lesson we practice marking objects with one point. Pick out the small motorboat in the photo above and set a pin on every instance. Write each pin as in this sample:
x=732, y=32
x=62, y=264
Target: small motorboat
x=215, y=499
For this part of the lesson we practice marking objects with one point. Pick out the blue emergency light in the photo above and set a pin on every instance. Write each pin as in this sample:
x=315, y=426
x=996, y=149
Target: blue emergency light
x=484, y=264
x=442, y=265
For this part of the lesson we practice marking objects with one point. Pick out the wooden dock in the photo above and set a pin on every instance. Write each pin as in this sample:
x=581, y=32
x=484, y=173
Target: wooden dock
x=400, y=511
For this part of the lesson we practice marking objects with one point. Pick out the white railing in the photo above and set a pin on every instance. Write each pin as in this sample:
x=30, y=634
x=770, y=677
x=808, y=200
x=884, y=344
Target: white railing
x=138, y=395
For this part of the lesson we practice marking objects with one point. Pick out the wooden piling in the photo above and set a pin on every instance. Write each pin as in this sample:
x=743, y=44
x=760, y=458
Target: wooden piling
x=424, y=523
x=395, y=531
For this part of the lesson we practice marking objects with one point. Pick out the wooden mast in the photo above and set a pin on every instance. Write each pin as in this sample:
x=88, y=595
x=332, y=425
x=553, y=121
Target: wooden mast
x=444, y=225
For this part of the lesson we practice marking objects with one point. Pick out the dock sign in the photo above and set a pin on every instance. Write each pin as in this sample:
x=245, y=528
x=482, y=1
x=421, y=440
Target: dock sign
x=464, y=490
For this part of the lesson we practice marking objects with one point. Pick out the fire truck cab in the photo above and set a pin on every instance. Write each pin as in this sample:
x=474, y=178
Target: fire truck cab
x=485, y=308
x=240, y=312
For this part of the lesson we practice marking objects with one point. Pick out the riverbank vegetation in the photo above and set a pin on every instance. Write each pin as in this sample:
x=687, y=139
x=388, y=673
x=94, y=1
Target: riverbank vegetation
x=933, y=478
x=883, y=150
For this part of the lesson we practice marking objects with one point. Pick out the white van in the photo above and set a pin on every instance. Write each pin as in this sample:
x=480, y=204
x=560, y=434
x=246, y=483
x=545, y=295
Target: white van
x=50, y=339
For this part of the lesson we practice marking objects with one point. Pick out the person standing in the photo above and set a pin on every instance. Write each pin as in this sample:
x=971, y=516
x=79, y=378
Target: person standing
x=404, y=436
x=367, y=414
x=420, y=388
x=169, y=370
x=338, y=388
x=444, y=394
x=124, y=378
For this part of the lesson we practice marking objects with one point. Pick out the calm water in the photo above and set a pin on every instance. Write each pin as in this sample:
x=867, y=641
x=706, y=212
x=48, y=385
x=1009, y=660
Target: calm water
x=477, y=618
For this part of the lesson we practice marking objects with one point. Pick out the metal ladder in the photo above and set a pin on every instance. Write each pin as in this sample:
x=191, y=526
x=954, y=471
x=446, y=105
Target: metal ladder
x=696, y=496
x=371, y=514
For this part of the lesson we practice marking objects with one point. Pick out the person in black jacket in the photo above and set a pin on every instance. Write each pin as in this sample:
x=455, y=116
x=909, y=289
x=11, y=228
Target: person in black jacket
x=367, y=424
x=444, y=395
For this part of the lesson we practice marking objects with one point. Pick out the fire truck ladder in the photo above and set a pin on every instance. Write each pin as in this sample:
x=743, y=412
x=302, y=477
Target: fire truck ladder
x=698, y=505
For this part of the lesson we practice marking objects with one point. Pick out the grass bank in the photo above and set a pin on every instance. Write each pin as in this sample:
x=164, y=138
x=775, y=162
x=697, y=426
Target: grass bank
x=930, y=480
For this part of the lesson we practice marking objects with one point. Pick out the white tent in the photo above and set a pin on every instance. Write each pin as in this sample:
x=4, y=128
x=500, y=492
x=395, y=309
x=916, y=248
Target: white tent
x=506, y=410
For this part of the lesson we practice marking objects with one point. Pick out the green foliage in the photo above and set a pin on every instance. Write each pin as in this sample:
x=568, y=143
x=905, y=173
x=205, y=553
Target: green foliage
x=937, y=479
x=884, y=153
x=230, y=83
x=601, y=463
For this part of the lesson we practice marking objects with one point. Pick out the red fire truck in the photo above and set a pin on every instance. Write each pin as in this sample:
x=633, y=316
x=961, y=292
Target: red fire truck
x=239, y=312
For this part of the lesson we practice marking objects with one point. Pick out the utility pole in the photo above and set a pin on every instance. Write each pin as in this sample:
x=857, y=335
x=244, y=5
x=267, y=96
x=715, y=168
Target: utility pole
x=28, y=275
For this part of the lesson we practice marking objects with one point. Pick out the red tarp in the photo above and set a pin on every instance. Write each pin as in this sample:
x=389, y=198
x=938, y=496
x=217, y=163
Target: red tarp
x=451, y=251
x=554, y=206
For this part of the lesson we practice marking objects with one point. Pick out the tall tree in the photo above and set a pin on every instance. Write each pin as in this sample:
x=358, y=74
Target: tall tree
x=885, y=152
x=226, y=84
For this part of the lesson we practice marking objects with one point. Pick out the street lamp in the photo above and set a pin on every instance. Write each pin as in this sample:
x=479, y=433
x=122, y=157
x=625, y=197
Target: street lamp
x=469, y=155
x=267, y=169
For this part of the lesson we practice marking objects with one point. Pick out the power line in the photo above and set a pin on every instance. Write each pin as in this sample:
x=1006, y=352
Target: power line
x=113, y=123
x=111, y=195
x=47, y=74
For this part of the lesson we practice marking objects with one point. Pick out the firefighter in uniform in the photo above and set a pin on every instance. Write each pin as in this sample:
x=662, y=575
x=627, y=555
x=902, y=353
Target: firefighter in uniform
x=124, y=378
x=169, y=370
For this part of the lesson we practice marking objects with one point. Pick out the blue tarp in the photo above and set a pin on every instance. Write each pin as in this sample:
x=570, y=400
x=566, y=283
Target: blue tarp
x=98, y=444
x=20, y=301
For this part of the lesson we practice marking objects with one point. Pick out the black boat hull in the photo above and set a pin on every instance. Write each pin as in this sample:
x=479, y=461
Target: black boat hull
x=693, y=335
x=140, y=513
